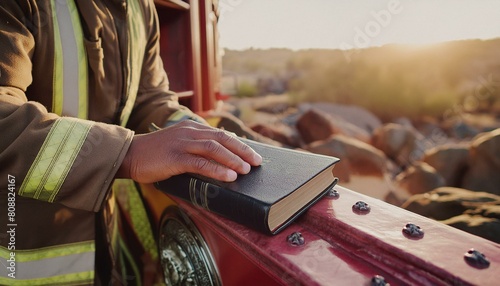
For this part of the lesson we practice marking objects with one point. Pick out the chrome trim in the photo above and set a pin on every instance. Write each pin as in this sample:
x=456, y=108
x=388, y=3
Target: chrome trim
x=184, y=255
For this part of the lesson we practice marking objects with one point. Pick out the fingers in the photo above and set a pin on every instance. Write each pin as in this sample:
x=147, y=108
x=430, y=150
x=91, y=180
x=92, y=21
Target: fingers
x=188, y=147
x=215, y=151
x=218, y=154
x=232, y=144
x=209, y=168
x=199, y=131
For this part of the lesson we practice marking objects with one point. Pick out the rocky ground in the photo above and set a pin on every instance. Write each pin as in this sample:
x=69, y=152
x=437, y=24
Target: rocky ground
x=448, y=171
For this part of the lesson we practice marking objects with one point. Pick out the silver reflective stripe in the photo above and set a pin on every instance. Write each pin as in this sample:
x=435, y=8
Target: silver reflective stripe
x=66, y=264
x=72, y=58
x=50, y=267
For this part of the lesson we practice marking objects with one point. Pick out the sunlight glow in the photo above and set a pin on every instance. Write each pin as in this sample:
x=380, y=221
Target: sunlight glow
x=344, y=24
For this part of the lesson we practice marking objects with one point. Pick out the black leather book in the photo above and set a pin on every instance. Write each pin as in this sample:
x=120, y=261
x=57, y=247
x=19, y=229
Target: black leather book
x=269, y=197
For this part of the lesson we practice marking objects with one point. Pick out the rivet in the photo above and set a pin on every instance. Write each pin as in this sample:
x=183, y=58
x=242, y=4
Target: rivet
x=413, y=230
x=361, y=207
x=296, y=239
x=378, y=280
x=476, y=259
x=334, y=194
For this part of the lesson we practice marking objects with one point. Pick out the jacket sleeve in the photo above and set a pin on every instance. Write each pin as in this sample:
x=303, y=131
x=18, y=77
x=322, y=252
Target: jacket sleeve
x=55, y=159
x=155, y=103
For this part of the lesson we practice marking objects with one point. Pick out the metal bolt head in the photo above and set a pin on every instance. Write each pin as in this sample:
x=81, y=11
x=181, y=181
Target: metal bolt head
x=413, y=230
x=295, y=239
x=378, y=280
x=361, y=207
x=476, y=259
x=334, y=194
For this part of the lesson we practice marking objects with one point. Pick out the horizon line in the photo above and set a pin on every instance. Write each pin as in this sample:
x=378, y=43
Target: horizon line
x=365, y=48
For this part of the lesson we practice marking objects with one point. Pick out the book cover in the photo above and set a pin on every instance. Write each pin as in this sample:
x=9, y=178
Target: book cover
x=269, y=197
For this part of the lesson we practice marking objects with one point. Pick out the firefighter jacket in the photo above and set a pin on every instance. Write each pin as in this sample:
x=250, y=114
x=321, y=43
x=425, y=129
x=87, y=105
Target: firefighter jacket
x=76, y=77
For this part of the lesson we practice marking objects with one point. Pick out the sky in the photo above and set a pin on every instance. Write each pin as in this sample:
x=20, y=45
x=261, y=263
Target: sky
x=346, y=24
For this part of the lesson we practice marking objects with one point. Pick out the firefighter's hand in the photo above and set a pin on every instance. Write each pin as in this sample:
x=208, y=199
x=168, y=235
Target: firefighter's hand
x=187, y=147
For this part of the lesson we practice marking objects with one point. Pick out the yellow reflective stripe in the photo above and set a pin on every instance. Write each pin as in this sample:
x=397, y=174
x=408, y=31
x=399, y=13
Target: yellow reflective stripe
x=55, y=158
x=82, y=278
x=82, y=62
x=57, y=79
x=125, y=188
x=136, y=48
x=50, y=252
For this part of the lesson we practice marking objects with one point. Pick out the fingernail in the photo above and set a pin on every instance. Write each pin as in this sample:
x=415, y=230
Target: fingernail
x=246, y=168
x=231, y=175
x=258, y=158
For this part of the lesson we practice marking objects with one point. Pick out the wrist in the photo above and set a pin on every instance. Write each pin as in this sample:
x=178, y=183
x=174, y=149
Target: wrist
x=125, y=167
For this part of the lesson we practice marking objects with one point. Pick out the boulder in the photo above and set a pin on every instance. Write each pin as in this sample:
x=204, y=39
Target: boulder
x=490, y=210
x=469, y=125
x=231, y=123
x=315, y=125
x=279, y=132
x=460, y=130
x=484, y=164
x=474, y=212
x=355, y=115
x=356, y=156
x=484, y=227
x=450, y=161
x=430, y=128
x=447, y=202
x=417, y=179
x=399, y=143
x=403, y=121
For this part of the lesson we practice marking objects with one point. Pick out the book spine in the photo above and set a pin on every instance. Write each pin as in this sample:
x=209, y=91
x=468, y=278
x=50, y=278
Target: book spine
x=230, y=204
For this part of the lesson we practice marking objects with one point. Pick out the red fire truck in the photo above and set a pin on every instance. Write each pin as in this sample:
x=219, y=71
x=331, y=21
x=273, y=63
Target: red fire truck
x=333, y=243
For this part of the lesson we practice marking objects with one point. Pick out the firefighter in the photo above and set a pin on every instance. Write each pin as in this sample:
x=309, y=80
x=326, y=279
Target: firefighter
x=80, y=83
